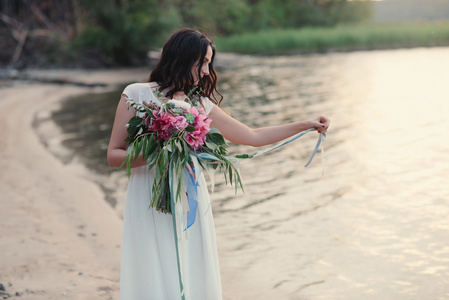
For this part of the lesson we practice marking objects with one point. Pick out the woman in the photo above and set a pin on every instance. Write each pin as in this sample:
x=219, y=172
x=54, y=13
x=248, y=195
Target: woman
x=149, y=266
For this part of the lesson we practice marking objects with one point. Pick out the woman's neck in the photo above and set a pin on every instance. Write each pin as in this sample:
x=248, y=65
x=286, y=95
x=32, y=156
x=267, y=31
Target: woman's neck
x=180, y=95
x=177, y=95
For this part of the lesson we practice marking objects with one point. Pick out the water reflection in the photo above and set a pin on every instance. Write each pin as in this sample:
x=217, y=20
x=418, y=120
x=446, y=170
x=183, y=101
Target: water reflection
x=375, y=226
x=87, y=123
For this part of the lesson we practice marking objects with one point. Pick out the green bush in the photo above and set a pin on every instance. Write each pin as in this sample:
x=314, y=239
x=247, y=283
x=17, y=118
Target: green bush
x=345, y=37
x=124, y=33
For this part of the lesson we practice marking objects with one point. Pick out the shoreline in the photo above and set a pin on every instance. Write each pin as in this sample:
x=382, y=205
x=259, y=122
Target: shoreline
x=60, y=238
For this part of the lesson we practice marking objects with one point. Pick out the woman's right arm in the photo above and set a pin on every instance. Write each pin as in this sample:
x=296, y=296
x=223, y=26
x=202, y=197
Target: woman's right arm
x=117, y=145
x=237, y=132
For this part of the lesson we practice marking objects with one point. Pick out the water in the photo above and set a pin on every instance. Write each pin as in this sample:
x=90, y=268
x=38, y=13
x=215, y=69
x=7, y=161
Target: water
x=94, y=114
x=375, y=226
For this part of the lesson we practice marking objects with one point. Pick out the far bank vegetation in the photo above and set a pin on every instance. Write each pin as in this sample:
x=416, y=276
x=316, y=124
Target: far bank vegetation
x=102, y=33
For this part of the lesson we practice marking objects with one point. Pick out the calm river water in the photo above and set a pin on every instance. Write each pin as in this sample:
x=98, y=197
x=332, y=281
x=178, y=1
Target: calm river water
x=376, y=225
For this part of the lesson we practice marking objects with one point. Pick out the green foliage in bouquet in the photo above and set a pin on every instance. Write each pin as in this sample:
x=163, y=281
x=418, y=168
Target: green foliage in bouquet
x=170, y=137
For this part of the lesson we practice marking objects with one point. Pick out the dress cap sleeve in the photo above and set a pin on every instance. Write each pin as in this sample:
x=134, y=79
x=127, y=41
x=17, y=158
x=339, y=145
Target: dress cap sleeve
x=207, y=104
x=132, y=91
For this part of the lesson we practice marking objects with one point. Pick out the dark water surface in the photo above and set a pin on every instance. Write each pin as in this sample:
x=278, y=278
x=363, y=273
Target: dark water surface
x=87, y=123
x=375, y=226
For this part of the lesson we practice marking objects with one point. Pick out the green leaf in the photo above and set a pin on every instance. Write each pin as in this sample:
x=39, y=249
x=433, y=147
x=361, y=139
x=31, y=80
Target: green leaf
x=152, y=144
x=214, y=130
x=217, y=138
x=166, y=156
x=151, y=160
x=178, y=145
x=169, y=147
x=144, y=146
x=138, y=148
x=211, y=145
x=190, y=129
x=230, y=175
x=244, y=156
x=135, y=121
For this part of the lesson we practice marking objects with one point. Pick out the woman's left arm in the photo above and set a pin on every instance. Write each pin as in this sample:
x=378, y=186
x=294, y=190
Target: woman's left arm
x=237, y=132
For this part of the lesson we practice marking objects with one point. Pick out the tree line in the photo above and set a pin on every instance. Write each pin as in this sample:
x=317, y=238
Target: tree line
x=122, y=31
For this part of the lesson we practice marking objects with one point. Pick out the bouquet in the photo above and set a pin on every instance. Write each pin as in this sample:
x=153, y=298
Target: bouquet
x=173, y=136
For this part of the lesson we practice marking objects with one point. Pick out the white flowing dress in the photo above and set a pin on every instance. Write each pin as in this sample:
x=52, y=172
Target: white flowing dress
x=149, y=268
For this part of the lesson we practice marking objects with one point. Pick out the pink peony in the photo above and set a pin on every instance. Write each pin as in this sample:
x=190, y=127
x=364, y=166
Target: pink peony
x=194, y=111
x=202, y=123
x=163, y=125
x=180, y=123
x=197, y=138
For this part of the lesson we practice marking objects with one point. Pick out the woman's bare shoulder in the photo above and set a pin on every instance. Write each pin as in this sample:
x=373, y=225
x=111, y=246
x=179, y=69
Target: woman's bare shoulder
x=153, y=85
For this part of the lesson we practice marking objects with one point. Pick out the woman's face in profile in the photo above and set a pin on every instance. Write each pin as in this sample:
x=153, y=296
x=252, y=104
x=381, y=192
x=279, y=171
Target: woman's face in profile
x=204, y=67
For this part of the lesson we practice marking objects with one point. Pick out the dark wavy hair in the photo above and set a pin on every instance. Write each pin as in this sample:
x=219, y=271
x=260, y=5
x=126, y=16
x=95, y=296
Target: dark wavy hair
x=174, y=70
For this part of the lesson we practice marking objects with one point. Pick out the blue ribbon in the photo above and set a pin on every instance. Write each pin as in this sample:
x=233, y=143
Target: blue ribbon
x=192, y=192
x=207, y=157
x=283, y=144
x=320, y=142
x=192, y=195
x=192, y=184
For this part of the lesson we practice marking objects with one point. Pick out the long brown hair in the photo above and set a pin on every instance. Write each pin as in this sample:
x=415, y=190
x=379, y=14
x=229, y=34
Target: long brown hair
x=174, y=70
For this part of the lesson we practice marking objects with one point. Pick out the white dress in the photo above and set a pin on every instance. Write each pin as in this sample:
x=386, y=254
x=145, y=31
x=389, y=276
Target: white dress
x=149, y=268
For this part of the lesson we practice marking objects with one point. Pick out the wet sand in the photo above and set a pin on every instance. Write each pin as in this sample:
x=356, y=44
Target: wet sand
x=59, y=237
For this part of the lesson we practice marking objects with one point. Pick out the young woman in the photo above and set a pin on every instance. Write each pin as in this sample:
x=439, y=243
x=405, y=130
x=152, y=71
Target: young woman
x=149, y=265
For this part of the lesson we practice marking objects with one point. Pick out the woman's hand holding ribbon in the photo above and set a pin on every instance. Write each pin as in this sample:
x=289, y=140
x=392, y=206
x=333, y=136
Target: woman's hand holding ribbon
x=320, y=124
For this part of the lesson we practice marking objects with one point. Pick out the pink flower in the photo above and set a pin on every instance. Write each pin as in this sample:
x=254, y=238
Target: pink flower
x=195, y=139
x=180, y=123
x=163, y=125
x=166, y=124
x=201, y=124
x=194, y=111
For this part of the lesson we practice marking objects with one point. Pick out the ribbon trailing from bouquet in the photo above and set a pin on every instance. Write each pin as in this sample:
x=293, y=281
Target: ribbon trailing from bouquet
x=206, y=157
x=191, y=186
x=192, y=194
x=177, y=214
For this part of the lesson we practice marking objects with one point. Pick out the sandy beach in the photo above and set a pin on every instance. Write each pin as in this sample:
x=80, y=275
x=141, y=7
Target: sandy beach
x=59, y=238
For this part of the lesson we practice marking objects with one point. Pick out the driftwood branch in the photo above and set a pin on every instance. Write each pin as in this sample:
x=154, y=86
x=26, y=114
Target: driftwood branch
x=21, y=41
x=10, y=21
x=41, y=17
x=44, y=19
x=24, y=29
x=20, y=33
